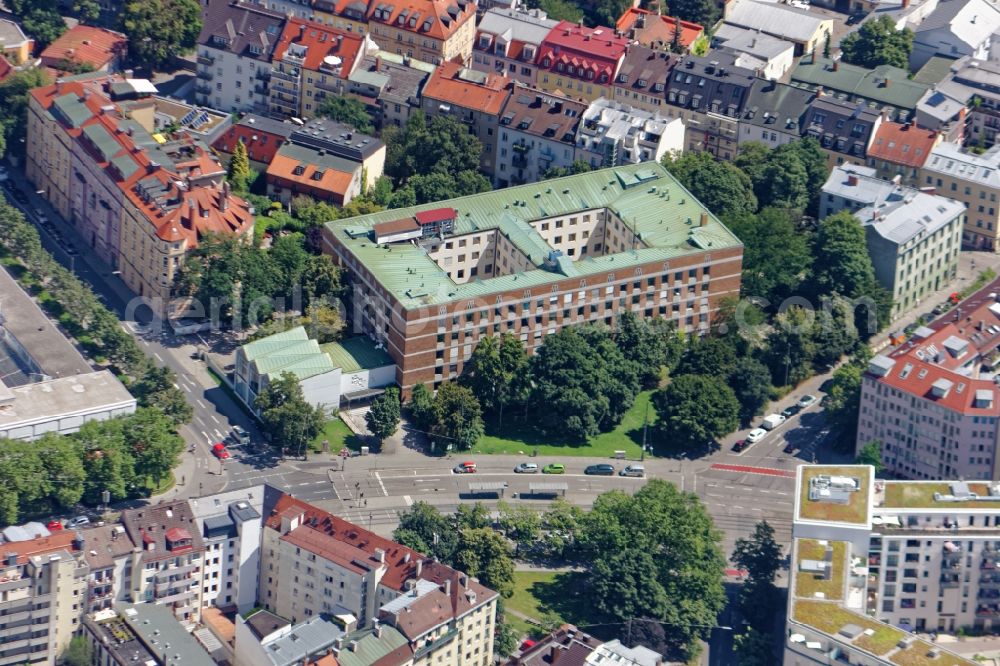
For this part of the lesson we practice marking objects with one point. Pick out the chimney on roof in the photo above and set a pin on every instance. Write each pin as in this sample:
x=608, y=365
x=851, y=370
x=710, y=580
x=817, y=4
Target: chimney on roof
x=463, y=580
x=353, y=646
x=704, y=218
x=553, y=654
x=852, y=180
x=420, y=566
x=836, y=64
x=906, y=3
x=380, y=554
x=224, y=198
x=886, y=82
x=447, y=586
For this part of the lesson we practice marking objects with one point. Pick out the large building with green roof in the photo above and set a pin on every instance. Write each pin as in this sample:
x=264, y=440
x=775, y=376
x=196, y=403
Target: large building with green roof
x=428, y=282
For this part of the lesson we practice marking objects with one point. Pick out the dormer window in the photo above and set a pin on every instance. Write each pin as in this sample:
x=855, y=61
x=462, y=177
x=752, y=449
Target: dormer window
x=546, y=62
x=642, y=83
x=603, y=78
x=590, y=75
x=559, y=67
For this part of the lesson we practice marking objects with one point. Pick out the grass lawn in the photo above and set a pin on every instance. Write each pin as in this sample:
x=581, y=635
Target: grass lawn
x=807, y=584
x=215, y=377
x=521, y=627
x=916, y=655
x=830, y=618
x=521, y=438
x=165, y=484
x=856, y=509
x=548, y=595
x=921, y=494
x=339, y=435
x=523, y=599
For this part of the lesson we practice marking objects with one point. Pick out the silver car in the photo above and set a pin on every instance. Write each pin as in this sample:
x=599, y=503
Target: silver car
x=526, y=468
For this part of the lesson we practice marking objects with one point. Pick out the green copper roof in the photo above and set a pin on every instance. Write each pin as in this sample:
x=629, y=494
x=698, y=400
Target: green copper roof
x=647, y=198
x=858, y=83
x=358, y=353
x=290, y=351
x=71, y=109
x=367, y=648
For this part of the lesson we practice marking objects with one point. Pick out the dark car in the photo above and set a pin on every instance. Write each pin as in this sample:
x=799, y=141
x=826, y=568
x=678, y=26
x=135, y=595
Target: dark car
x=602, y=469
x=790, y=448
x=741, y=445
x=790, y=411
x=855, y=18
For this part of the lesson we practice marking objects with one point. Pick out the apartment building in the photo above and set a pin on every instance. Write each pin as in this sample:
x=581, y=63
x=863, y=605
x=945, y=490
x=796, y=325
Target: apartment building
x=844, y=129
x=537, y=133
x=471, y=97
x=580, y=62
x=932, y=403
x=314, y=563
x=971, y=87
x=326, y=160
x=901, y=149
x=261, y=136
x=953, y=30
x=389, y=85
x=611, y=134
x=347, y=15
x=100, y=49
x=43, y=591
x=663, y=33
x=806, y=30
x=230, y=526
x=773, y=115
x=508, y=42
x=913, y=237
x=107, y=549
x=710, y=94
x=131, y=634
x=529, y=260
x=771, y=57
x=14, y=44
x=873, y=561
x=433, y=31
x=975, y=181
x=310, y=63
x=140, y=204
x=234, y=53
x=643, y=79
x=168, y=567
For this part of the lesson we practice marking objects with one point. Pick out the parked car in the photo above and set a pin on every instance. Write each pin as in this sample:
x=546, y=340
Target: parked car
x=554, y=468
x=772, y=421
x=601, y=469
x=240, y=435
x=807, y=401
x=741, y=445
x=79, y=521
x=54, y=525
x=855, y=18
x=220, y=451
x=467, y=467
x=756, y=435
x=790, y=448
x=633, y=470
x=790, y=411
x=526, y=468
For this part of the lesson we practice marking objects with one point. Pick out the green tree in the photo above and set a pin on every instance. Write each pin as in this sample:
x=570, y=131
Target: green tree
x=583, y=384
x=754, y=648
x=760, y=554
x=578, y=166
x=776, y=256
x=704, y=12
x=785, y=180
x=108, y=462
x=606, y=12
x=520, y=523
x=505, y=636
x=710, y=355
x=348, y=110
x=751, y=383
x=562, y=10
x=238, y=173
x=753, y=160
x=871, y=454
x=791, y=347
x=561, y=522
x=835, y=333
x=155, y=388
x=421, y=407
x=424, y=529
x=87, y=11
x=62, y=459
x=654, y=555
x=719, y=186
x=158, y=30
x=40, y=20
x=442, y=145
x=459, y=418
x=694, y=409
x=383, y=417
x=844, y=396
x=14, y=101
x=650, y=344
x=496, y=373
x=154, y=445
x=79, y=652
x=286, y=417
x=878, y=42
x=472, y=517
x=483, y=553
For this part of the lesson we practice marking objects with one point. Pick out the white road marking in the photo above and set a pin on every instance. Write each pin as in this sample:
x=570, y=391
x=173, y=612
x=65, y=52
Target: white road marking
x=207, y=438
x=385, y=492
x=220, y=435
x=215, y=419
x=409, y=502
x=200, y=403
x=158, y=357
x=185, y=387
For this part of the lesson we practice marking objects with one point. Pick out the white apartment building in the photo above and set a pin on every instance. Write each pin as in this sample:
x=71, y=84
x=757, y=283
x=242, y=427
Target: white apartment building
x=874, y=560
x=975, y=181
x=234, y=55
x=314, y=563
x=230, y=524
x=612, y=134
x=913, y=237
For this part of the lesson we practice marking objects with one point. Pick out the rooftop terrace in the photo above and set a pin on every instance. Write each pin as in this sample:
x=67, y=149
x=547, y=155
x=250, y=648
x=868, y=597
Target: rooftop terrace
x=810, y=584
x=666, y=218
x=933, y=495
x=853, y=510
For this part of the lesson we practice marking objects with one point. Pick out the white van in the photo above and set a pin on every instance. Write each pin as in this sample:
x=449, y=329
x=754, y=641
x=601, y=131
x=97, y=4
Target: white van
x=772, y=421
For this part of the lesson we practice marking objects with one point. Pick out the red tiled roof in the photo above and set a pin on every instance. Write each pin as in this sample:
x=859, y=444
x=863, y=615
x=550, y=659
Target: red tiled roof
x=281, y=170
x=87, y=45
x=596, y=49
x=321, y=43
x=657, y=28
x=448, y=84
x=422, y=11
x=178, y=534
x=60, y=540
x=400, y=561
x=903, y=144
x=261, y=146
x=435, y=215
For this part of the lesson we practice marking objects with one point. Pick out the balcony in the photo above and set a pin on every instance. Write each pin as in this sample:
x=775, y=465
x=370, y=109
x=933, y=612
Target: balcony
x=291, y=77
x=260, y=90
x=519, y=161
x=328, y=87
x=202, y=89
x=988, y=593
x=431, y=646
x=205, y=74
x=988, y=610
x=263, y=75
x=172, y=586
x=176, y=571
x=949, y=581
x=206, y=60
x=180, y=596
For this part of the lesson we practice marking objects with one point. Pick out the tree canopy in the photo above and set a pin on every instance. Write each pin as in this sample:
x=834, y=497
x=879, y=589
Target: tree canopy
x=158, y=30
x=776, y=256
x=720, y=186
x=878, y=42
x=871, y=454
x=383, y=416
x=497, y=373
x=286, y=417
x=695, y=409
x=40, y=19
x=655, y=555
x=348, y=110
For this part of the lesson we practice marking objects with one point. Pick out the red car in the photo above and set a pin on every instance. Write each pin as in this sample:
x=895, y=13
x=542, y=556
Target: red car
x=54, y=525
x=220, y=451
